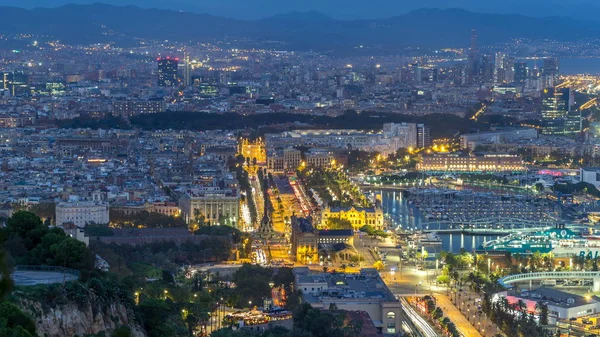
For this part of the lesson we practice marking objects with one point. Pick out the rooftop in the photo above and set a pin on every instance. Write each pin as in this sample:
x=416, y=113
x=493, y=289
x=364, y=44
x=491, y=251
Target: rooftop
x=367, y=285
x=554, y=297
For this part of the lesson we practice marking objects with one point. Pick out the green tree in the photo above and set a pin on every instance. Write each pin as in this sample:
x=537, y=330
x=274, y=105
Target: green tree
x=67, y=253
x=6, y=282
x=122, y=331
x=336, y=223
x=154, y=312
x=28, y=227
x=44, y=210
x=543, y=312
x=13, y=322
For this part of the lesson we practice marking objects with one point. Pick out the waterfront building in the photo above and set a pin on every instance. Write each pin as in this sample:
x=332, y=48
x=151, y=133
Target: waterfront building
x=82, y=213
x=490, y=162
x=358, y=217
x=590, y=175
x=561, y=305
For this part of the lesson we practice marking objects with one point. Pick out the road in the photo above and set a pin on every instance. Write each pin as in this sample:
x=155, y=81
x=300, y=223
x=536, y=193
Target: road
x=258, y=197
x=469, y=309
x=452, y=312
x=404, y=279
x=419, y=322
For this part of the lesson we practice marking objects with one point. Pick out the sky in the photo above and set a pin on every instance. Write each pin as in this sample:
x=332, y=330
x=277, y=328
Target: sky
x=345, y=9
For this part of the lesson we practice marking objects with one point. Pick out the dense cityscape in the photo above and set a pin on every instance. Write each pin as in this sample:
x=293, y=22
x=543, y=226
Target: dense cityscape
x=241, y=186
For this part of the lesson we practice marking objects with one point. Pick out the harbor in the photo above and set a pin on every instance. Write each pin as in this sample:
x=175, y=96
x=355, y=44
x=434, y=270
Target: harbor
x=450, y=220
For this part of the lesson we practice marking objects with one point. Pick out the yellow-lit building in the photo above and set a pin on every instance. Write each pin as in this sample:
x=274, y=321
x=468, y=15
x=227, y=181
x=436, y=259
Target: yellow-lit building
x=284, y=159
x=253, y=150
x=305, y=241
x=358, y=217
x=473, y=163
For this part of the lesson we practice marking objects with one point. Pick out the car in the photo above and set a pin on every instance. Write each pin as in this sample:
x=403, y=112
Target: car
x=586, y=321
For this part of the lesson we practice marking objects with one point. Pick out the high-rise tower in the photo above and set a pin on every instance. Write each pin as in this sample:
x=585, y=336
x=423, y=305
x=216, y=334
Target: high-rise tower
x=187, y=70
x=167, y=72
x=473, y=59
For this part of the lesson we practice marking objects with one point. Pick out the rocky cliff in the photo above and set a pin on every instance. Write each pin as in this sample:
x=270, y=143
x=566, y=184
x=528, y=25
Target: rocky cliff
x=71, y=319
x=78, y=309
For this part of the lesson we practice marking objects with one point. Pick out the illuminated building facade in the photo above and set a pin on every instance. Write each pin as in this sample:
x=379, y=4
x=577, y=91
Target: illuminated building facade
x=556, y=105
x=282, y=160
x=473, y=163
x=15, y=83
x=253, y=150
x=167, y=72
x=423, y=136
x=319, y=158
x=358, y=217
x=131, y=108
x=81, y=213
x=215, y=204
x=305, y=240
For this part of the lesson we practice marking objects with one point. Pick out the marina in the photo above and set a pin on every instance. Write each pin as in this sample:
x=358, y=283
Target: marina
x=450, y=220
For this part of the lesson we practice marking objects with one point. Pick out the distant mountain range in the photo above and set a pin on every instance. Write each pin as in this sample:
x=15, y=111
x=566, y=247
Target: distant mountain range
x=82, y=24
x=343, y=9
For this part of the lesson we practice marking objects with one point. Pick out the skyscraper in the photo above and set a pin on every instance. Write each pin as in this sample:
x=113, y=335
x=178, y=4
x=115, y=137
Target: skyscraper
x=509, y=70
x=167, y=72
x=555, y=109
x=499, y=67
x=550, y=67
x=520, y=72
x=473, y=59
x=187, y=70
x=15, y=83
x=423, y=136
x=487, y=68
x=550, y=71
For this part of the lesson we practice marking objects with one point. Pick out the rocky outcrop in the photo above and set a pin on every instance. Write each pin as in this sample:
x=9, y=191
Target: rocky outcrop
x=71, y=319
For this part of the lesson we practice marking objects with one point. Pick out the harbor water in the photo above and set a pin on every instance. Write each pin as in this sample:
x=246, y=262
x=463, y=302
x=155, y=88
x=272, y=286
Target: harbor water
x=400, y=213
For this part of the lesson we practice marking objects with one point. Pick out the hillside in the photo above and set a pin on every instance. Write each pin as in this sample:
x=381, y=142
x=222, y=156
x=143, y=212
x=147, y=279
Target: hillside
x=82, y=24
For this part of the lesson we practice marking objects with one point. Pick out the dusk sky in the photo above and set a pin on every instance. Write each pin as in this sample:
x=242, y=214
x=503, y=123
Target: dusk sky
x=343, y=9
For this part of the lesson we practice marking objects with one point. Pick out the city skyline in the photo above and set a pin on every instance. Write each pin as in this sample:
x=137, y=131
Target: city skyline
x=166, y=173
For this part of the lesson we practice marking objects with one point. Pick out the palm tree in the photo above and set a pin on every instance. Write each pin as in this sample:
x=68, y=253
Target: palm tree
x=504, y=304
x=542, y=310
x=535, y=260
x=522, y=307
